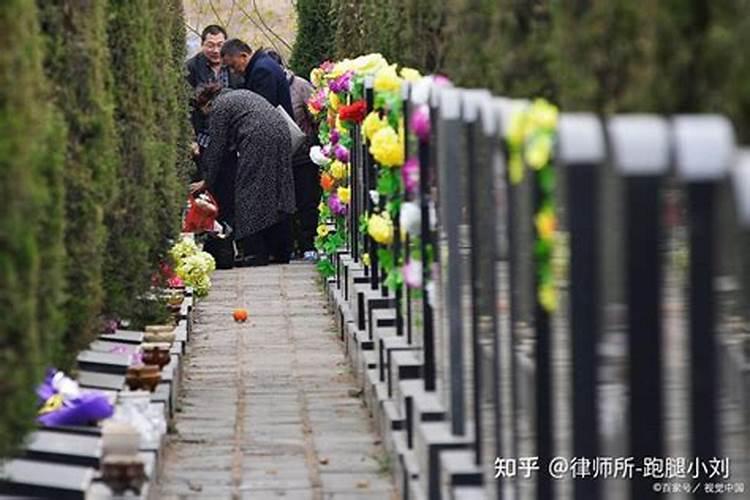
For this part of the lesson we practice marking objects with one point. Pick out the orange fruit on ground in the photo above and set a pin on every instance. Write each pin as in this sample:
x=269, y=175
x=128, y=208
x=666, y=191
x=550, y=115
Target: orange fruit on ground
x=240, y=315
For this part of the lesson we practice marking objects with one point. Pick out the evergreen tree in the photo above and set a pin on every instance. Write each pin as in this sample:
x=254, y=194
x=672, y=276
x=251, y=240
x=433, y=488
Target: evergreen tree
x=316, y=27
x=30, y=222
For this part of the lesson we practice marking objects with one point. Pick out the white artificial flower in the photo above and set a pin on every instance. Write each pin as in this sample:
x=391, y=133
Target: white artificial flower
x=410, y=218
x=317, y=156
x=375, y=197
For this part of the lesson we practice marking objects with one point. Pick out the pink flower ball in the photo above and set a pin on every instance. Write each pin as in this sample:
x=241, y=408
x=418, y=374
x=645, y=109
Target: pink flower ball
x=410, y=175
x=420, y=123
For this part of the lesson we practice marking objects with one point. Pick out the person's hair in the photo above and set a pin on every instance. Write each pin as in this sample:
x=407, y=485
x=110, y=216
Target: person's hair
x=235, y=47
x=213, y=29
x=276, y=57
x=205, y=93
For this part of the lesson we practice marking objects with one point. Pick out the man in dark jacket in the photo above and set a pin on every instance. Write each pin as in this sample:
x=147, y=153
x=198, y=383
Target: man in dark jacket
x=262, y=74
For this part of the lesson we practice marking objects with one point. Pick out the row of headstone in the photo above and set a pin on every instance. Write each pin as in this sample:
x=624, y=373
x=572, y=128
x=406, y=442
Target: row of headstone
x=67, y=461
x=459, y=380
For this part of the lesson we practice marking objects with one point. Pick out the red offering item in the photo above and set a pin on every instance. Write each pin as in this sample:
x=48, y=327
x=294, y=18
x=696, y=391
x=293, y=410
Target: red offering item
x=201, y=214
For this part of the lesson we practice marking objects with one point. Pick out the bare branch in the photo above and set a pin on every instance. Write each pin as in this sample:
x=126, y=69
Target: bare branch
x=216, y=13
x=263, y=22
x=255, y=23
x=190, y=28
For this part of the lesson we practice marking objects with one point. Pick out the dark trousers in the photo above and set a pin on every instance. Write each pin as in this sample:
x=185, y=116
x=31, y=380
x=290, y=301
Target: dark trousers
x=274, y=242
x=224, y=188
x=307, y=192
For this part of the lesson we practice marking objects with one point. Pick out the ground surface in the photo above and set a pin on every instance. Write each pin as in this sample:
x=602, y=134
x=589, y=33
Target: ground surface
x=269, y=407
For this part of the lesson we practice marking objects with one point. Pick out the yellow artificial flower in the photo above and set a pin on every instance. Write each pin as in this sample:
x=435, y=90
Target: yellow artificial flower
x=344, y=195
x=323, y=230
x=333, y=101
x=543, y=114
x=380, y=228
x=546, y=223
x=387, y=147
x=372, y=124
x=321, y=207
x=367, y=64
x=386, y=80
x=316, y=76
x=516, y=132
x=410, y=74
x=547, y=296
x=366, y=259
x=515, y=169
x=338, y=170
x=539, y=151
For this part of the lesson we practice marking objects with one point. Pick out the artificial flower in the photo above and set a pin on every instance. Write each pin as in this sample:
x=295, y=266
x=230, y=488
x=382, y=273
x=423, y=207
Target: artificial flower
x=344, y=194
x=318, y=157
x=327, y=150
x=341, y=153
x=326, y=182
x=336, y=205
x=545, y=223
x=516, y=132
x=334, y=101
x=373, y=123
x=354, y=112
x=410, y=175
x=410, y=218
x=547, y=296
x=410, y=74
x=412, y=272
x=335, y=136
x=338, y=170
x=380, y=228
x=367, y=64
x=323, y=230
x=366, y=259
x=375, y=197
x=316, y=76
x=420, y=122
x=342, y=83
x=387, y=147
x=386, y=80
x=539, y=151
x=321, y=207
x=543, y=114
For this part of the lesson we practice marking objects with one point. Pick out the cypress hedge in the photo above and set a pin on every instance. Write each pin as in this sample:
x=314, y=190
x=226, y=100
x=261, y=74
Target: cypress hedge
x=77, y=67
x=316, y=29
x=94, y=137
x=614, y=56
x=31, y=244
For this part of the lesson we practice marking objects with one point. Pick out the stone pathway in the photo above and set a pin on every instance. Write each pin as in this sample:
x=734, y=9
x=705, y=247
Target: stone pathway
x=269, y=407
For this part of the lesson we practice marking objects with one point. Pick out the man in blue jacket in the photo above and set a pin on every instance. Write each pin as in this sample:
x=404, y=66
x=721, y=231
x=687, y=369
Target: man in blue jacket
x=263, y=75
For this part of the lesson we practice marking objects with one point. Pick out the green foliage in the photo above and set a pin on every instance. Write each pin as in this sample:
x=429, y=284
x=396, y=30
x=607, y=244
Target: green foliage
x=614, y=56
x=315, y=35
x=77, y=65
x=30, y=222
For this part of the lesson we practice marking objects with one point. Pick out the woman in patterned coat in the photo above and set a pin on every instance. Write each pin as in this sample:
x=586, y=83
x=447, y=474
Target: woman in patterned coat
x=245, y=122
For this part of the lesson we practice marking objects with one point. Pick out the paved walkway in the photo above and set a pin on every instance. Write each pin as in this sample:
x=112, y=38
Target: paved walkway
x=269, y=408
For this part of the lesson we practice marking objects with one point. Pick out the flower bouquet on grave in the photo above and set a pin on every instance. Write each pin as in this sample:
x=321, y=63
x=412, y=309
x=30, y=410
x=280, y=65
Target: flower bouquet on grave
x=62, y=402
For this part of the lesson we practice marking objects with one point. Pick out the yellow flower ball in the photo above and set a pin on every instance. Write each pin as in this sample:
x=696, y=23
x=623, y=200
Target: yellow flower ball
x=323, y=230
x=387, y=147
x=539, y=151
x=547, y=296
x=546, y=223
x=344, y=195
x=410, y=74
x=543, y=114
x=517, y=128
x=372, y=124
x=380, y=228
x=386, y=80
x=338, y=170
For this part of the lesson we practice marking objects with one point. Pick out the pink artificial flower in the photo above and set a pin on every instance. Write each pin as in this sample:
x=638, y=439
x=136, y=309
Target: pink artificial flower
x=327, y=151
x=410, y=175
x=341, y=84
x=420, y=123
x=413, y=274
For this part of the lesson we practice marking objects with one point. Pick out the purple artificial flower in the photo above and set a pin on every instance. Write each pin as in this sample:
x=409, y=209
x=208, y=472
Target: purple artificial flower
x=335, y=136
x=84, y=410
x=336, y=206
x=341, y=84
x=327, y=151
x=420, y=123
x=342, y=154
x=410, y=175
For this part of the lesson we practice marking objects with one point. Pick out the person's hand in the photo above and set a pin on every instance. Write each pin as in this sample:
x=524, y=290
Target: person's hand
x=195, y=150
x=197, y=187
